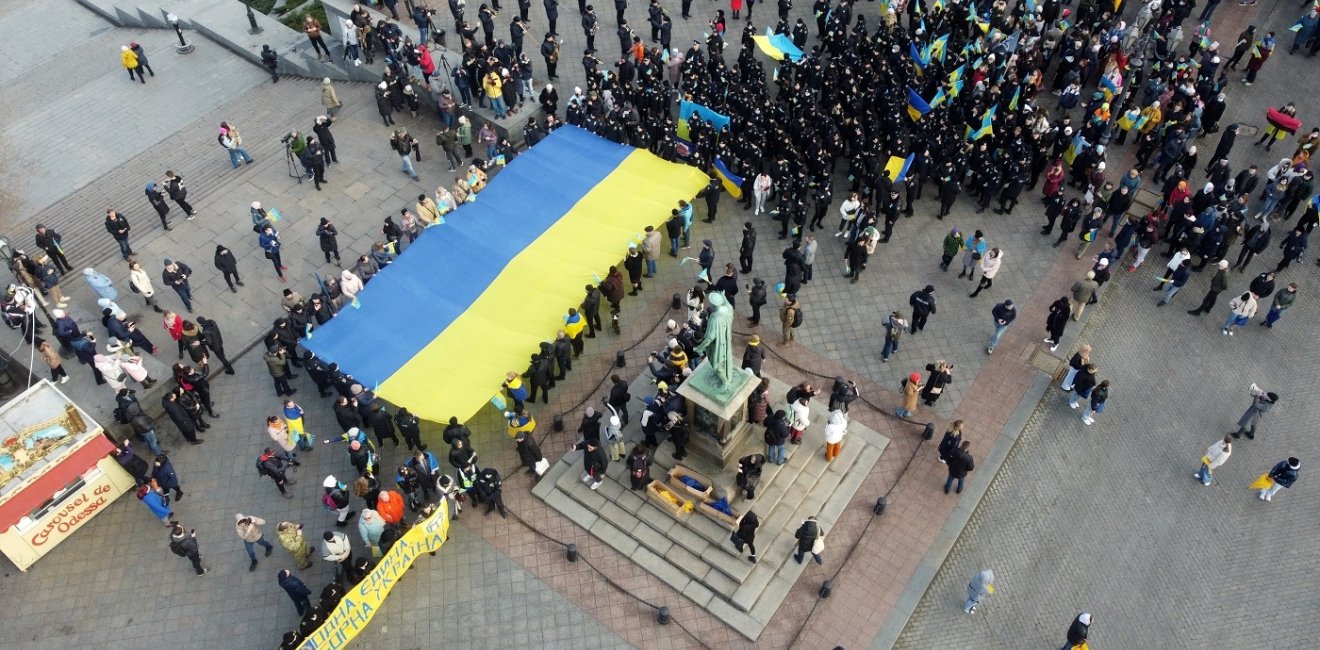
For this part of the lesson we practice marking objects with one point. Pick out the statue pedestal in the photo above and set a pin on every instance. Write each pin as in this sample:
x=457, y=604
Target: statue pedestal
x=717, y=414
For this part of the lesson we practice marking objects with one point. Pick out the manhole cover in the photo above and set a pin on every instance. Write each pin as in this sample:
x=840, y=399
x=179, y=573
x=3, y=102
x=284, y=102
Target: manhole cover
x=1045, y=361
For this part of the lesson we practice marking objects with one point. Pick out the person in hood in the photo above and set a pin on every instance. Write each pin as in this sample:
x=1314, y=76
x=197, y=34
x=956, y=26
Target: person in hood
x=981, y=585
x=291, y=537
x=835, y=429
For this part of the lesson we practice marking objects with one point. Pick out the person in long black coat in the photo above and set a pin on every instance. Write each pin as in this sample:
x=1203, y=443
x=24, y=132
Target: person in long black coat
x=1057, y=321
x=227, y=265
x=180, y=417
x=746, y=534
x=162, y=471
x=529, y=453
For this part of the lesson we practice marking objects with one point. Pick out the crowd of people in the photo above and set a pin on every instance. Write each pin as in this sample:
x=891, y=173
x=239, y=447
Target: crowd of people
x=960, y=93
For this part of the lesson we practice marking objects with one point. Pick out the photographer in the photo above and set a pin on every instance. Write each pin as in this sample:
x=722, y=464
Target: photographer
x=421, y=16
x=296, y=143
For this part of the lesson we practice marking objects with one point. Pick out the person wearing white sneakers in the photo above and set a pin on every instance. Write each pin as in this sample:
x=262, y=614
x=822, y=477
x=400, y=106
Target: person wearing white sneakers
x=848, y=212
x=1082, y=385
x=1282, y=475
x=981, y=585
x=1215, y=456
x=1075, y=364
x=1099, y=395
x=1241, y=309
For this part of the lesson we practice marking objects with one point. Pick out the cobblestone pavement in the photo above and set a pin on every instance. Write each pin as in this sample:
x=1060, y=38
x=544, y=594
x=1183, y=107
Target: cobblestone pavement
x=1108, y=518
x=117, y=554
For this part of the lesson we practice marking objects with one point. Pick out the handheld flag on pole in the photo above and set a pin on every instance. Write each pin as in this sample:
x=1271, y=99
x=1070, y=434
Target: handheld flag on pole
x=897, y=168
x=1013, y=103
x=916, y=106
x=938, y=47
x=1078, y=145
x=732, y=183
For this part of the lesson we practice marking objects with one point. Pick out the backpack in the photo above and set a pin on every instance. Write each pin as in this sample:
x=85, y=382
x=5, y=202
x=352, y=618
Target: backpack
x=329, y=502
x=176, y=547
x=797, y=318
x=120, y=416
x=261, y=467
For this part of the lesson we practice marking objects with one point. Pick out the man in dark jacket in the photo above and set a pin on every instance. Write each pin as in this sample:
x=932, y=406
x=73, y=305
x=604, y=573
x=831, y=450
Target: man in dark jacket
x=1284, y=474
x=590, y=309
x=410, y=427
x=296, y=590
x=776, y=436
x=175, y=275
x=50, y=241
x=923, y=305
x=184, y=544
x=747, y=247
x=1003, y=315
x=215, y=342
x=960, y=463
x=180, y=417
x=1218, y=284
x=491, y=488
x=118, y=227
x=619, y=398
x=382, y=423
x=594, y=462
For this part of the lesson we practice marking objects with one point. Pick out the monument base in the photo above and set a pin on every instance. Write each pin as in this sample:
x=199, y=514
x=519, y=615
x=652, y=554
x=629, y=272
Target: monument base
x=690, y=551
x=717, y=415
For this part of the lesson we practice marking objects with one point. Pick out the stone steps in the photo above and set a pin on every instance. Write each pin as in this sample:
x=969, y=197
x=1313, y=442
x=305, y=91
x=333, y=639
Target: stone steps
x=693, y=553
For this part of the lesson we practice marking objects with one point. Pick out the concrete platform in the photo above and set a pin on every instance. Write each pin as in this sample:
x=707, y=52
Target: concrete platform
x=692, y=553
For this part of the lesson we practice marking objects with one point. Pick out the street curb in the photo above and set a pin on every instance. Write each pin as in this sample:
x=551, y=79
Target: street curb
x=962, y=513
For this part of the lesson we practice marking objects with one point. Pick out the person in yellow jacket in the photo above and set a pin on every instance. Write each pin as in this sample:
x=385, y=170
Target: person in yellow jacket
x=1152, y=115
x=495, y=93
x=131, y=63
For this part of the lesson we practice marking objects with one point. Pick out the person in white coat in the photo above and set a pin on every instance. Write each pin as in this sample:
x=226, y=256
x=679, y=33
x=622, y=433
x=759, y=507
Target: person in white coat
x=350, y=284
x=761, y=189
x=990, y=265
x=848, y=213
x=1240, y=310
x=140, y=282
x=835, y=430
x=798, y=420
x=1215, y=456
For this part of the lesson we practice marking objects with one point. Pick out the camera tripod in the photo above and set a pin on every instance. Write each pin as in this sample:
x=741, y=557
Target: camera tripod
x=295, y=169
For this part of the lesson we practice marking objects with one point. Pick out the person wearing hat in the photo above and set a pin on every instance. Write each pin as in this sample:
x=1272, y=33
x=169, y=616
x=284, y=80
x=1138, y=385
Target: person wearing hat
x=1082, y=292
x=131, y=63
x=923, y=305
x=1282, y=475
x=336, y=498
x=272, y=61
x=753, y=355
x=911, y=389
x=1261, y=402
x=1078, y=631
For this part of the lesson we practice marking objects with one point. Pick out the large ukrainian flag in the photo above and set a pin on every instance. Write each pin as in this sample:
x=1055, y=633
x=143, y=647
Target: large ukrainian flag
x=470, y=300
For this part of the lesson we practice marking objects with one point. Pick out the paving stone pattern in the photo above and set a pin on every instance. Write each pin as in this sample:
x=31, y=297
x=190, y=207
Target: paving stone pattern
x=118, y=553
